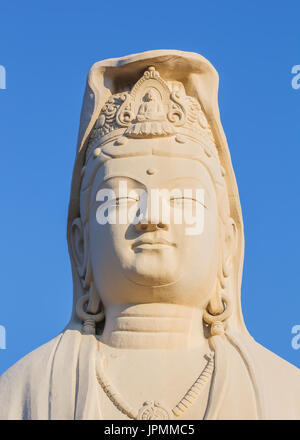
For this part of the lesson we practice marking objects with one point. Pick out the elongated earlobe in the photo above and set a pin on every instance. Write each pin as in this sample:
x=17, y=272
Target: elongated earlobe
x=217, y=321
x=88, y=308
x=89, y=320
x=218, y=309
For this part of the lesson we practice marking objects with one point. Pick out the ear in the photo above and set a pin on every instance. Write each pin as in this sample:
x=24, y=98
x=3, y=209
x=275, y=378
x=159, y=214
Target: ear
x=230, y=244
x=78, y=246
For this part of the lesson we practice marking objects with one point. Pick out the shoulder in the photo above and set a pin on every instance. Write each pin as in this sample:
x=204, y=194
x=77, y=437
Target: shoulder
x=276, y=382
x=31, y=363
x=280, y=368
x=23, y=380
x=36, y=386
x=280, y=381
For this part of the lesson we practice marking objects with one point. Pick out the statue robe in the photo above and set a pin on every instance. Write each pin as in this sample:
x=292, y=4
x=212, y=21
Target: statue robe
x=58, y=381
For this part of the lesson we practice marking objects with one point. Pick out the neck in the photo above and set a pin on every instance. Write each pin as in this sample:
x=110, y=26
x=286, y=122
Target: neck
x=153, y=326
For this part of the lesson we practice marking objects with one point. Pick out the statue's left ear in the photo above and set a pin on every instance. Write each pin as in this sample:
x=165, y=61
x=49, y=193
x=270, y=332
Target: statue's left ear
x=229, y=245
x=219, y=308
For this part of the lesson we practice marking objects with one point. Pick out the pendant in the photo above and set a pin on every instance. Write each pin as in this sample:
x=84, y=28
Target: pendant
x=154, y=411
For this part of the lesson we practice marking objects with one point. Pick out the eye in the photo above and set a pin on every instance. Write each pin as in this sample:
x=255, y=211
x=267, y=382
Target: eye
x=125, y=200
x=180, y=202
x=118, y=201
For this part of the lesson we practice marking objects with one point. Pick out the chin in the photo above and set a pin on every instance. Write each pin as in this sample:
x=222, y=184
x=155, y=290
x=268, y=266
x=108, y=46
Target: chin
x=152, y=272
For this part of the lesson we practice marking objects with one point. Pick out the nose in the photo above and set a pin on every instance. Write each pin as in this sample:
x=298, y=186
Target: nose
x=151, y=216
x=143, y=226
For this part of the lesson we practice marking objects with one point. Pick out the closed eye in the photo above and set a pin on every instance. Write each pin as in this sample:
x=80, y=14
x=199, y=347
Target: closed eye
x=119, y=201
x=181, y=200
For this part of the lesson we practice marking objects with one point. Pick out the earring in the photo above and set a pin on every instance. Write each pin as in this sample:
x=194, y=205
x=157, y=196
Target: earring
x=89, y=320
x=217, y=321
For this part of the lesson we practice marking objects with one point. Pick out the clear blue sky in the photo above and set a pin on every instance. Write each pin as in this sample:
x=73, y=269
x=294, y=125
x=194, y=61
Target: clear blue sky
x=47, y=49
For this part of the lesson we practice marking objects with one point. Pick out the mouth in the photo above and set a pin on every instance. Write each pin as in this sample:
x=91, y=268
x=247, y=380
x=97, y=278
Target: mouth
x=148, y=244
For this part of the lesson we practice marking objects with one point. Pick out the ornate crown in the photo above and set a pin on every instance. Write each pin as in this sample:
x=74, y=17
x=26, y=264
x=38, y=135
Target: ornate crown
x=152, y=108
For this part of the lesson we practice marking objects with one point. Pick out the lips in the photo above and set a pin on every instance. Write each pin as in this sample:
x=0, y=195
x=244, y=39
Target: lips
x=152, y=244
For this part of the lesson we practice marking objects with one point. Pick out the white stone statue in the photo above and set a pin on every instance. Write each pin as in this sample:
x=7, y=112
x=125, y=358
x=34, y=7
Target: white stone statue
x=156, y=242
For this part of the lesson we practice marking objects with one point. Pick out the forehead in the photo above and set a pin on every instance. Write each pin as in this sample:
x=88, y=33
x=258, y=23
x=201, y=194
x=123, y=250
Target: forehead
x=154, y=171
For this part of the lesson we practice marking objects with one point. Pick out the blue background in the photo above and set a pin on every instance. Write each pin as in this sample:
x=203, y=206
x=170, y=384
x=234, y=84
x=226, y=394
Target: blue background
x=47, y=49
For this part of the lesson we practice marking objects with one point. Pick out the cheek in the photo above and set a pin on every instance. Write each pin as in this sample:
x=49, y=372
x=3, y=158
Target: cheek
x=107, y=264
x=200, y=251
x=109, y=246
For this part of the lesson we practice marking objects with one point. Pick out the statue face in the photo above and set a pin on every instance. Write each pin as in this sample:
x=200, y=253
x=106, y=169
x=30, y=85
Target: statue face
x=153, y=259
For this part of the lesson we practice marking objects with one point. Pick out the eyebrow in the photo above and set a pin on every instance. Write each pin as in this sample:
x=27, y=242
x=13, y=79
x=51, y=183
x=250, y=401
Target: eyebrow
x=195, y=179
x=118, y=176
x=131, y=177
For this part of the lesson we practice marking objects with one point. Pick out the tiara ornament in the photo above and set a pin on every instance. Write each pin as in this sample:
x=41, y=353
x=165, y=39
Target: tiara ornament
x=153, y=108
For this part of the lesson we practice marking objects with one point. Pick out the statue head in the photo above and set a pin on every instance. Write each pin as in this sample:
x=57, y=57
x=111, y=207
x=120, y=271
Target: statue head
x=154, y=212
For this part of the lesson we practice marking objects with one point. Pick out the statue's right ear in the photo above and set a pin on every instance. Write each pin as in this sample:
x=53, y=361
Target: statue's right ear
x=78, y=246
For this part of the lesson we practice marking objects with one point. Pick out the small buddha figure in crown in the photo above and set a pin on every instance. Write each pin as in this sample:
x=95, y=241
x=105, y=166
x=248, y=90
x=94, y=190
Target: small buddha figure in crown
x=151, y=108
x=157, y=330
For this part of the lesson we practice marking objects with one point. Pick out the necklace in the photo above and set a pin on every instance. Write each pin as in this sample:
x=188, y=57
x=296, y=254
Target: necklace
x=152, y=410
